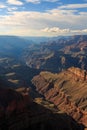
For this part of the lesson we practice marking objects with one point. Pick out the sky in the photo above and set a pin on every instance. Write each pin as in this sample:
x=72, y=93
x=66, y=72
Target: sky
x=43, y=17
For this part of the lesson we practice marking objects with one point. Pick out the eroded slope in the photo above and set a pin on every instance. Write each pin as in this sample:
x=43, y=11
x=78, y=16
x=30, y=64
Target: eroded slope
x=67, y=90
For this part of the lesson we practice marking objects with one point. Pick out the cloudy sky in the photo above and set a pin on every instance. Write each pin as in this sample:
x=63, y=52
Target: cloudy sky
x=43, y=17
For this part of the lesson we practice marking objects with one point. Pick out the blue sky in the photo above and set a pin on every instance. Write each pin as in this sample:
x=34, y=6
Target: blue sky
x=43, y=17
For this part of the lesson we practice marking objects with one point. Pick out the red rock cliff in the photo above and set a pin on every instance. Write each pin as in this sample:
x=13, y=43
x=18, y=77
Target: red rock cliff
x=67, y=90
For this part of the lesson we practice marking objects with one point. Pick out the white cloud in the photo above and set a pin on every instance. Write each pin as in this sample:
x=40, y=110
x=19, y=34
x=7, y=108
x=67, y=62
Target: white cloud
x=42, y=23
x=57, y=30
x=79, y=31
x=84, y=30
x=51, y=0
x=15, y=2
x=10, y=9
x=33, y=1
x=39, y=1
x=2, y=6
x=73, y=6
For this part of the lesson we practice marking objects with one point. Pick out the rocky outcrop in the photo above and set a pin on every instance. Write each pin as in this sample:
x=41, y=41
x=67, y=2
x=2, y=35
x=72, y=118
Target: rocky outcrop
x=58, y=54
x=78, y=73
x=67, y=90
x=18, y=112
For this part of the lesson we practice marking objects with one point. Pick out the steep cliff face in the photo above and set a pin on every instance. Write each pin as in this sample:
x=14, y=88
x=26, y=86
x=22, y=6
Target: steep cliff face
x=58, y=54
x=67, y=90
x=19, y=112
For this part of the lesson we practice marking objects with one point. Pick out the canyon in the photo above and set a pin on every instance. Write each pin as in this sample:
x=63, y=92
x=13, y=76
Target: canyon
x=67, y=90
x=18, y=111
x=43, y=85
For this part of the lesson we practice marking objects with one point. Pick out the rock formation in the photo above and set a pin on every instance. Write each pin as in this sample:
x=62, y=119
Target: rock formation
x=67, y=90
x=18, y=112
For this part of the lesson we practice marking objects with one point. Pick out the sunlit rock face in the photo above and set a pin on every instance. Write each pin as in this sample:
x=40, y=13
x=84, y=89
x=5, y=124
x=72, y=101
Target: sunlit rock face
x=58, y=54
x=67, y=90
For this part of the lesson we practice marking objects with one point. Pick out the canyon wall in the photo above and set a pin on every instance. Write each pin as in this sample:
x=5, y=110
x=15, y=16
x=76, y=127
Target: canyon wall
x=67, y=90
